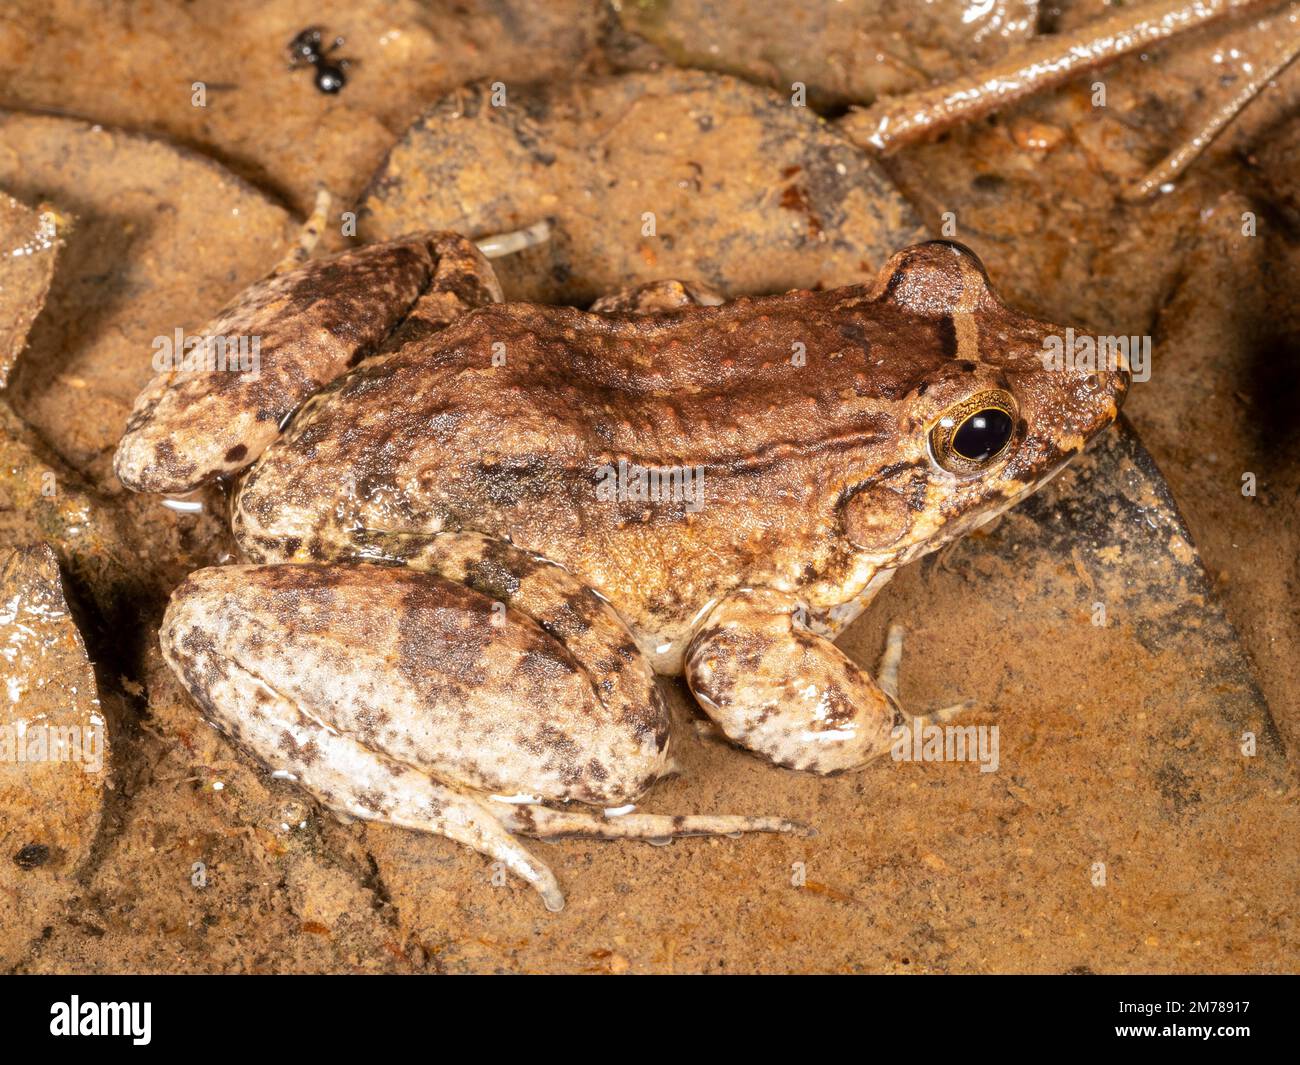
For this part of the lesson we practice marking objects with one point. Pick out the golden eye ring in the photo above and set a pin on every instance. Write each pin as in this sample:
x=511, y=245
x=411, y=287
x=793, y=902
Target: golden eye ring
x=973, y=435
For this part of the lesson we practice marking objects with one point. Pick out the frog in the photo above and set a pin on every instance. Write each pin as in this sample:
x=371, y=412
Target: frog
x=466, y=559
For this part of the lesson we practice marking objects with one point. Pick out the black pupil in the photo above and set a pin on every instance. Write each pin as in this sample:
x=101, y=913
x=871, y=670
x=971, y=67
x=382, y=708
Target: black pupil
x=984, y=433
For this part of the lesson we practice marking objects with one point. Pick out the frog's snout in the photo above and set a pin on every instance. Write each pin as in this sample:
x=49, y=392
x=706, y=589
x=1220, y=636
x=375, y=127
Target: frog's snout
x=1111, y=388
x=1090, y=402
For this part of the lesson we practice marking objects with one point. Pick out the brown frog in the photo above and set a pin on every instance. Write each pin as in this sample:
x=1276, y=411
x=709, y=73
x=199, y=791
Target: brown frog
x=495, y=531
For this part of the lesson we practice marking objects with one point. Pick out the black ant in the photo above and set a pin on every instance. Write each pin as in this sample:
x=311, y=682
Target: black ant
x=306, y=48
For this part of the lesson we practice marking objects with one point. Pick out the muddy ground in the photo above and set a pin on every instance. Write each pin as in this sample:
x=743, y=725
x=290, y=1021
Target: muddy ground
x=1121, y=743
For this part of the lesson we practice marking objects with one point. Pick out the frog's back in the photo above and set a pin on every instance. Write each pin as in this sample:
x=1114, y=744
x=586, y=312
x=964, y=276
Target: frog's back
x=664, y=459
x=536, y=422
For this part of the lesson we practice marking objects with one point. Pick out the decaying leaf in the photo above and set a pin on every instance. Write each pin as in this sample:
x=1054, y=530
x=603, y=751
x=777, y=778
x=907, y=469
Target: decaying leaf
x=53, y=748
x=29, y=243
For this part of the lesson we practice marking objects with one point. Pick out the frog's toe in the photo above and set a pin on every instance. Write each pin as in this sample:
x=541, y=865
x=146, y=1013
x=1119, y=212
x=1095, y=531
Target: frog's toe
x=890, y=660
x=944, y=714
x=552, y=896
x=887, y=677
x=543, y=822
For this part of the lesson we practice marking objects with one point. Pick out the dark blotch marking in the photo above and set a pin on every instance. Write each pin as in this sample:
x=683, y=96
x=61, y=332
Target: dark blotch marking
x=307, y=753
x=947, y=331
x=494, y=575
x=32, y=856
x=370, y=800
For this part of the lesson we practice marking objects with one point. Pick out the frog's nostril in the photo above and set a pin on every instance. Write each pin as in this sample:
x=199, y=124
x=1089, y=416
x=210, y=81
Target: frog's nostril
x=1114, y=388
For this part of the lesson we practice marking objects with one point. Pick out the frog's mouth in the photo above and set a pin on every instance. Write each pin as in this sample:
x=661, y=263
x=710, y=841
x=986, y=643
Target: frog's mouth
x=968, y=523
x=1024, y=492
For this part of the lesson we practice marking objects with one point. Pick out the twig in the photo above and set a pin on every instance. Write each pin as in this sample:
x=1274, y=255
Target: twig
x=1187, y=153
x=893, y=122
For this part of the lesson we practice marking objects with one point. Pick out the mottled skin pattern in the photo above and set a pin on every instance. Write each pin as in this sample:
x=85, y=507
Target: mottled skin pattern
x=417, y=699
x=775, y=687
x=189, y=427
x=809, y=414
x=477, y=456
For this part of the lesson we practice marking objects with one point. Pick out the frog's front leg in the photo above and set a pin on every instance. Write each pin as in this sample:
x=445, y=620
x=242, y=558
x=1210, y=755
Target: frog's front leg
x=773, y=686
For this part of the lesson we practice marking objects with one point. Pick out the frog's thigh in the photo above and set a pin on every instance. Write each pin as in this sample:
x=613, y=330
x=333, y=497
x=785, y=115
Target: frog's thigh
x=594, y=634
x=590, y=630
x=784, y=692
x=352, y=779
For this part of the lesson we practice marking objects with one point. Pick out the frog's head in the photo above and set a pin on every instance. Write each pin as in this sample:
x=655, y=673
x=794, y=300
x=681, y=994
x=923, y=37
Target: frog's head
x=1001, y=410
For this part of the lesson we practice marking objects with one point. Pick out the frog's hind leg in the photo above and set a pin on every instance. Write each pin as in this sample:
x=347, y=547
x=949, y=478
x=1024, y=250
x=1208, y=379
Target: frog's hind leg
x=352, y=779
x=593, y=632
x=290, y=335
x=543, y=822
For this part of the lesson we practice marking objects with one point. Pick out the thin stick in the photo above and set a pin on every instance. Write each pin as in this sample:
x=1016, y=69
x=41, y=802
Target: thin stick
x=1178, y=160
x=308, y=236
x=499, y=244
x=893, y=122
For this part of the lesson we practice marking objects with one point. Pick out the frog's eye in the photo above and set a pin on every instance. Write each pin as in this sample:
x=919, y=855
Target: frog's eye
x=972, y=435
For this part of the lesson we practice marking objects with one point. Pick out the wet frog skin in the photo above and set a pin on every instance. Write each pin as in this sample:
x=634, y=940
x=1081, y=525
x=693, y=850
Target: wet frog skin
x=192, y=426
x=484, y=702
x=818, y=472
x=449, y=626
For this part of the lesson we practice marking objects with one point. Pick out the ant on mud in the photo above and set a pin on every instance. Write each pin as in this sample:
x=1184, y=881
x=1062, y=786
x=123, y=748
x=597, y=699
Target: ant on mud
x=306, y=49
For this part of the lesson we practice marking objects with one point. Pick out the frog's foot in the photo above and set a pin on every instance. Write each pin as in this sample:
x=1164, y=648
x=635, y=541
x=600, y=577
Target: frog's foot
x=657, y=297
x=352, y=779
x=887, y=677
x=784, y=692
x=543, y=822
